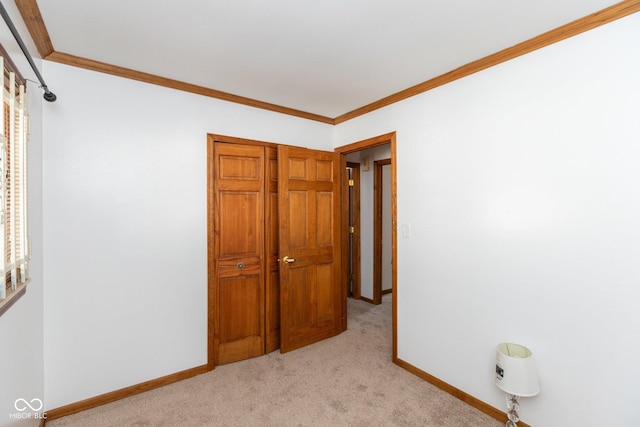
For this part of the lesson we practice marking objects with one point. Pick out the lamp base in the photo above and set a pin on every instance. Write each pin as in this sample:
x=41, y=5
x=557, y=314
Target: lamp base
x=512, y=411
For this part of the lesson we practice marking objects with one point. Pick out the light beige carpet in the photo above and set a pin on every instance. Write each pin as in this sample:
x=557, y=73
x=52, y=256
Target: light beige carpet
x=348, y=380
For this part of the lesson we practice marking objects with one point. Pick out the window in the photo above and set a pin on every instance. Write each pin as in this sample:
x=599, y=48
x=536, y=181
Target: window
x=14, y=244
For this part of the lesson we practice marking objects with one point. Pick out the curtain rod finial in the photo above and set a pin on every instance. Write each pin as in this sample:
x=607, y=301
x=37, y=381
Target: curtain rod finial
x=49, y=96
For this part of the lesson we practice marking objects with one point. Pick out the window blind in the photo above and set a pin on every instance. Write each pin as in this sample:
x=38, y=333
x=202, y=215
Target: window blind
x=14, y=247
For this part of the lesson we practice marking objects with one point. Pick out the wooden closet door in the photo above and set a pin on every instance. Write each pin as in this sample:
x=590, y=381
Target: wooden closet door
x=239, y=248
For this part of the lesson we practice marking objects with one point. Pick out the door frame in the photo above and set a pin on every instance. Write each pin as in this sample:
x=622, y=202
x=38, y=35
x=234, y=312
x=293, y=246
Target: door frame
x=388, y=138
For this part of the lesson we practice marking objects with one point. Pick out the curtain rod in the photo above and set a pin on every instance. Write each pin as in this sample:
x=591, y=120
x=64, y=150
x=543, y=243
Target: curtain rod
x=48, y=95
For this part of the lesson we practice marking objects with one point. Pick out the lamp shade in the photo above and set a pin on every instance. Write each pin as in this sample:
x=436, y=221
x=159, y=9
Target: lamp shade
x=516, y=370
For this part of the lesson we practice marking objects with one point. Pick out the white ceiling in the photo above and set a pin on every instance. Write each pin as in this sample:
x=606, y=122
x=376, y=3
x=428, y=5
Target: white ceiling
x=325, y=57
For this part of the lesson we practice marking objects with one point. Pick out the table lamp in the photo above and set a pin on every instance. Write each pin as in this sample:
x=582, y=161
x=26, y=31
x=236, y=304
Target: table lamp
x=515, y=375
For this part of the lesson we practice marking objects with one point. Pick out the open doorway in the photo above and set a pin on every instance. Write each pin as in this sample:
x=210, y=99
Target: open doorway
x=370, y=210
x=366, y=153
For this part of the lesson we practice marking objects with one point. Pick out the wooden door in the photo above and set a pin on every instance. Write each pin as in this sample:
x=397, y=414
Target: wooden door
x=239, y=229
x=353, y=222
x=382, y=275
x=310, y=282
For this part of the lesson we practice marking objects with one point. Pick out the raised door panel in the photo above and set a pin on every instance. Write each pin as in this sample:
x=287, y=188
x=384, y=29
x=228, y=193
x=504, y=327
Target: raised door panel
x=239, y=233
x=240, y=333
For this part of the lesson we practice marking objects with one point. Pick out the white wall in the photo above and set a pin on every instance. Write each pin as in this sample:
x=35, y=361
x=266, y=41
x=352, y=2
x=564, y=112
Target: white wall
x=125, y=206
x=21, y=330
x=521, y=185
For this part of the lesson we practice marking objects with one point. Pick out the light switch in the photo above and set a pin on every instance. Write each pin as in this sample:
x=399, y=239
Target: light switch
x=406, y=231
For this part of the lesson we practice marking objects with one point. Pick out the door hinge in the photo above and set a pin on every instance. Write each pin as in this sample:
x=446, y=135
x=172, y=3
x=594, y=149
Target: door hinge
x=352, y=230
x=352, y=183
